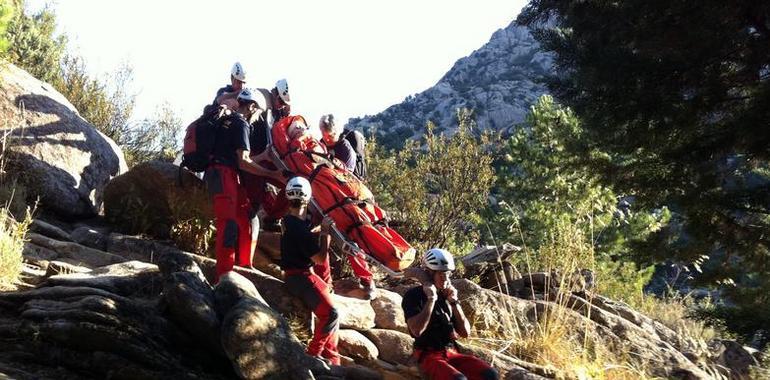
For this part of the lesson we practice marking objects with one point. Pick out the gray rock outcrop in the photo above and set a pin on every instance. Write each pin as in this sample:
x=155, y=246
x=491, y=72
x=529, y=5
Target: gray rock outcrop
x=56, y=154
x=499, y=81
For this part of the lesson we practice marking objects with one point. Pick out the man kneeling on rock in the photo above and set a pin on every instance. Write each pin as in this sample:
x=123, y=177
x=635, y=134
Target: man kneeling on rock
x=305, y=261
x=435, y=318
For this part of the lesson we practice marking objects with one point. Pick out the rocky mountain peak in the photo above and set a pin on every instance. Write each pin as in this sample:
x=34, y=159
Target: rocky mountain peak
x=498, y=82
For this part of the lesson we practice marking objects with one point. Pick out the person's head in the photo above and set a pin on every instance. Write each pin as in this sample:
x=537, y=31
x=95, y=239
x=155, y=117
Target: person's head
x=237, y=76
x=298, y=192
x=249, y=104
x=297, y=128
x=281, y=97
x=329, y=129
x=439, y=264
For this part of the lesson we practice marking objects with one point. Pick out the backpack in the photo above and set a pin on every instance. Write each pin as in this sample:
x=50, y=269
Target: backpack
x=358, y=142
x=199, y=138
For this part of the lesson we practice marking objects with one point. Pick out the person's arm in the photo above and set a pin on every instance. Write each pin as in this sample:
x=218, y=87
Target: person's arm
x=264, y=156
x=418, y=323
x=350, y=155
x=246, y=164
x=351, y=161
x=460, y=322
x=324, y=242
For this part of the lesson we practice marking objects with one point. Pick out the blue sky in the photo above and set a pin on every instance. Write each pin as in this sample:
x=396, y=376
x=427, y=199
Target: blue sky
x=349, y=58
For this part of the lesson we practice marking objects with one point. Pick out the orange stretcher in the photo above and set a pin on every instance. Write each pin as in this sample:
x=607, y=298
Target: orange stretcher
x=360, y=226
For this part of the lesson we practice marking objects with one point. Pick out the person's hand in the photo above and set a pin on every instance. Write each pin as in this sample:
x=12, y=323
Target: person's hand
x=430, y=292
x=326, y=224
x=450, y=293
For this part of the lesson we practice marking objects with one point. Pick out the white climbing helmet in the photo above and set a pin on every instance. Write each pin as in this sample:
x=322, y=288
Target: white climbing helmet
x=298, y=188
x=438, y=259
x=238, y=73
x=297, y=128
x=283, y=90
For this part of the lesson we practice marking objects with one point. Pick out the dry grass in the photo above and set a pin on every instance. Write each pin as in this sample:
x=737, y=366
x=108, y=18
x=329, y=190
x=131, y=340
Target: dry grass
x=557, y=339
x=301, y=329
x=12, y=235
x=191, y=231
x=12, y=232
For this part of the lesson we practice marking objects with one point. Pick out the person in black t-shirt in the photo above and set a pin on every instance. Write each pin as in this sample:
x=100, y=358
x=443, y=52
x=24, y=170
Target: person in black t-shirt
x=237, y=226
x=302, y=250
x=434, y=317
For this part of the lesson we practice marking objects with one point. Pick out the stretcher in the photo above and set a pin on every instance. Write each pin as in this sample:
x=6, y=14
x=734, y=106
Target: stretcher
x=360, y=225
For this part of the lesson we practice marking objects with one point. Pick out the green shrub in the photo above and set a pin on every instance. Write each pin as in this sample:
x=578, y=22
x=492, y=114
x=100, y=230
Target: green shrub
x=7, y=11
x=154, y=138
x=33, y=45
x=435, y=191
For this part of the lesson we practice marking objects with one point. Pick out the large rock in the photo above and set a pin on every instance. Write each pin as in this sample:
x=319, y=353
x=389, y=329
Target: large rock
x=152, y=197
x=510, y=368
x=257, y=339
x=272, y=289
x=388, y=313
x=491, y=312
x=355, y=314
x=81, y=332
x=394, y=346
x=190, y=304
x=89, y=237
x=54, y=152
x=75, y=253
x=133, y=277
x=735, y=359
x=355, y=345
x=232, y=288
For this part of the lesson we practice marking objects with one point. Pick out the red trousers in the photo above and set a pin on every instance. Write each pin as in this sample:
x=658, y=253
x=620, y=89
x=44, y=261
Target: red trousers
x=275, y=205
x=314, y=292
x=450, y=365
x=231, y=214
x=324, y=271
x=360, y=268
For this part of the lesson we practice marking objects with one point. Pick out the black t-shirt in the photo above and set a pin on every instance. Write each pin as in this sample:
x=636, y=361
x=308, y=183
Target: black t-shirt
x=440, y=332
x=298, y=244
x=231, y=135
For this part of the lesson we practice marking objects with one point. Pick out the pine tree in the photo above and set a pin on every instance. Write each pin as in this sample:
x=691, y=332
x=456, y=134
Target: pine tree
x=677, y=94
x=7, y=11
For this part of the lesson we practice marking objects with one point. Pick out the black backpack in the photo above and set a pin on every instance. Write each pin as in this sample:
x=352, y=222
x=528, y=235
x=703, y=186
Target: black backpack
x=358, y=142
x=200, y=136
